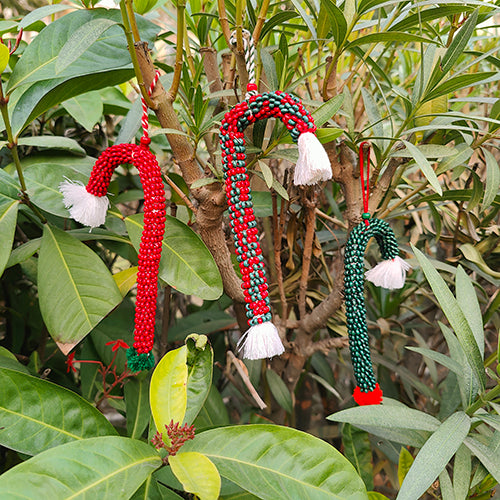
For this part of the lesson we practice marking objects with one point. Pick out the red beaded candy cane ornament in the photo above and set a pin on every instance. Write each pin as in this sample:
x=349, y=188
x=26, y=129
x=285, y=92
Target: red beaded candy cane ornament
x=262, y=339
x=88, y=205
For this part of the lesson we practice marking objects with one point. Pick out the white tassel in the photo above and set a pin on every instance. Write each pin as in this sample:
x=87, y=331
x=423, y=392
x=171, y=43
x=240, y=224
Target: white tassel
x=84, y=207
x=389, y=274
x=261, y=341
x=313, y=165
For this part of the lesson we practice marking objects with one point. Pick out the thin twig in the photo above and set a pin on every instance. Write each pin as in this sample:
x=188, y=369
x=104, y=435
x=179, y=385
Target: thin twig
x=176, y=80
x=277, y=256
x=181, y=194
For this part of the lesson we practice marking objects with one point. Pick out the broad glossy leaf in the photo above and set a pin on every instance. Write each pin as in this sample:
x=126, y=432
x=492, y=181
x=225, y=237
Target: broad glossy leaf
x=489, y=455
x=424, y=166
x=267, y=460
x=136, y=395
x=197, y=474
x=39, y=14
x=434, y=455
x=52, y=142
x=107, y=468
x=200, y=367
x=214, y=412
x=126, y=279
x=86, y=109
x=468, y=302
x=151, y=489
x=186, y=264
x=43, y=179
x=8, y=219
x=167, y=391
x=455, y=315
x=358, y=451
x=8, y=360
x=75, y=287
x=79, y=40
x=492, y=179
x=37, y=415
x=279, y=390
x=9, y=187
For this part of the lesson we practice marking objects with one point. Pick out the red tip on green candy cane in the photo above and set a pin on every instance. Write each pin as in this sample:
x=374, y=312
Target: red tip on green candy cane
x=373, y=397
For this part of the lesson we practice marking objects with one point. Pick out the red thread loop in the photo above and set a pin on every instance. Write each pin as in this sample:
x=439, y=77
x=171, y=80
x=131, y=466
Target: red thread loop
x=365, y=180
x=144, y=119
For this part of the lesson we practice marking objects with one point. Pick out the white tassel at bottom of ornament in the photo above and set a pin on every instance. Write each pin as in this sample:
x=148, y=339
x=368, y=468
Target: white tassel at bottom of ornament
x=261, y=341
x=84, y=207
x=389, y=273
x=313, y=165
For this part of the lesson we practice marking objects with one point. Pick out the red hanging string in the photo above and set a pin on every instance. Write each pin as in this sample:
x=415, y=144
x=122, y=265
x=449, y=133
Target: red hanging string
x=145, y=140
x=365, y=179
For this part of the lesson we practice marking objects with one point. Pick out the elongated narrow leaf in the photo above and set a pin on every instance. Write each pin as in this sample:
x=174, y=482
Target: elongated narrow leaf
x=187, y=264
x=492, y=179
x=338, y=24
x=200, y=368
x=459, y=43
x=267, y=460
x=197, y=474
x=8, y=219
x=279, y=390
x=358, y=451
x=467, y=300
x=75, y=287
x=37, y=415
x=167, y=391
x=53, y=142
x=434, y=455
x=424, y=166
x=136, y=394
x=461, y=473
x=404, y=464
x=391, y=36
x=489, y=455
x=107, y=468
x=306, y=18
x=4, y=57
x=454, y=314
x=327, y=110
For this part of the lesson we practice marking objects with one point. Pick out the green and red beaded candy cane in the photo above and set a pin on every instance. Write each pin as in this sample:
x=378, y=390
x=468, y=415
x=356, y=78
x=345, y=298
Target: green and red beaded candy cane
x=262, y=339
x=390, y=274
x=88, y=205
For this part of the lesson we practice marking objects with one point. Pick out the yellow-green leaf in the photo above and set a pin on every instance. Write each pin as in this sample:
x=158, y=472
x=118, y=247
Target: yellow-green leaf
x=4, y=57
x=405, y=461
x=126, y=279
x=167, y=392
x=197, y=474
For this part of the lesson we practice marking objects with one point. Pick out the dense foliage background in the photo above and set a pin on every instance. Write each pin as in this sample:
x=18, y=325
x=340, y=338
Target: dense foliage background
x=419, y=80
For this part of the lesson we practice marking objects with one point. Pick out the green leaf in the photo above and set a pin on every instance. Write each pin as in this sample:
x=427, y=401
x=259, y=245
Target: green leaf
x=489, y=455
x=375, y=495
x=472, y=254
x=197, y=474
x=136, y=395
x=4, y=57
x=214, y=412
x=75, y=287
x=428, y=150
x=391, y=36
x=267, y=173
x=306, y=18
x=8, y=360
x=279, y=390
x=325, y=135
x=461, y=473
x=424, y=166
x=434, y=455
x=467, y=300
x=42, y=12
x=85, y=109
x=186, y=264
x=459, y=43
x=126, y=279
x=373, y=113
x=200, y=367
x=455, y=316
x=151, y=489
x=43, y=179
x=107, y=468
x=52, y=142
x=327, y=110
x=267, y=460
x=143, y=6
x=338, y=24
x=8, y=220
x=404, y=464
x=492, y=179
x=458, y=82
x=37, y=415
x=358, y=451
x=80, y=40
x=167, y=391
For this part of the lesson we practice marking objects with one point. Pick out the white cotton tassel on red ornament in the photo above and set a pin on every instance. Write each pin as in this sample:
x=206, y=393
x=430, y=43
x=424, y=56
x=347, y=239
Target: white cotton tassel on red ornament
x=261, y=341
x=313, y=165
x=83, y=206
x=389, y=273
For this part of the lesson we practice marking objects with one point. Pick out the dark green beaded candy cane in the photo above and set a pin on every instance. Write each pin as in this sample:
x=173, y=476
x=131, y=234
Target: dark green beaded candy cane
x=390, y=274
